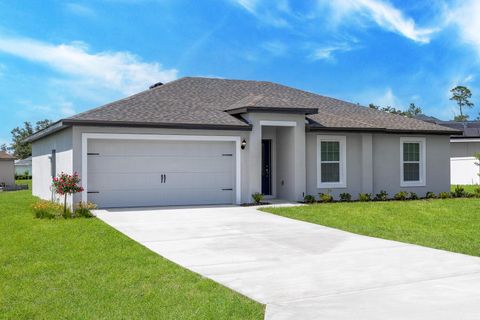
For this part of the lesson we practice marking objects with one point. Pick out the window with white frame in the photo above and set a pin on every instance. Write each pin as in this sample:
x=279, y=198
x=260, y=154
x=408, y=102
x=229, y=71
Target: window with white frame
x=412, y=159
x=331, y=161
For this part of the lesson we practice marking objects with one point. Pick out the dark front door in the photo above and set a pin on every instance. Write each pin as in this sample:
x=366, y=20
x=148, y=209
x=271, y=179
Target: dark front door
x=267, y=167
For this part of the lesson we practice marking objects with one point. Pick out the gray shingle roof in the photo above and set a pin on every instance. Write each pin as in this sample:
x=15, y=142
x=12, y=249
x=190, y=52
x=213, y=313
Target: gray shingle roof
x=208, y=102
x=467, y=129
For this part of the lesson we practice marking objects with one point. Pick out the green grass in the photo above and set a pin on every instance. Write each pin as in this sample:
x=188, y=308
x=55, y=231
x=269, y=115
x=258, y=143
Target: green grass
x=451, y=224
x=83, y=269
x=27, y=182
x=468, y=188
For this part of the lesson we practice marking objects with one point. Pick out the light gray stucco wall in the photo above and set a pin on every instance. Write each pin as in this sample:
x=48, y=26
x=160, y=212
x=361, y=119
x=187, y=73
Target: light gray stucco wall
x=7, y=172
x=354, y=164
x=464, y=149
x=380, y=154
x=294, y=188
x=41, y=170
x=386, y=150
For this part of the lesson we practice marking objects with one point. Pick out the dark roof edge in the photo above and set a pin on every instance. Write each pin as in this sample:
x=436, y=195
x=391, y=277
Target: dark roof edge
x=272, y=109
x=465, y=137
x=382, y=130
x=156, y=125
x=54, y=127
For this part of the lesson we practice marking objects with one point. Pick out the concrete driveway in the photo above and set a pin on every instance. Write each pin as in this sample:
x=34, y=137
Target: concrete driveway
x=306, y=271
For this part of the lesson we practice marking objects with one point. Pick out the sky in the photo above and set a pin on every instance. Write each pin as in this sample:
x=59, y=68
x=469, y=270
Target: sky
x=58, y=58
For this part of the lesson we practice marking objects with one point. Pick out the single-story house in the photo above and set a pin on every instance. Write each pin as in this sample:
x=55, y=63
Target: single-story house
x=217, y=141
x=7, y=170
x=23, y=166
x=464, y=168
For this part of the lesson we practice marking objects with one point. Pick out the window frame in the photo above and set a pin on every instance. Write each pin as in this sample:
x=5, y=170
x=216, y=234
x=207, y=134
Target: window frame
x=422, y=162
x=342, y=140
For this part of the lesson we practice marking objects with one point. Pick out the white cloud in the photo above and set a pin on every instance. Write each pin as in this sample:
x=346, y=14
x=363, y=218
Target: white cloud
x=120, y=71
x=388, y=99
x=269, y=12
x=276, y=48
x=381, y=97
x=465, y=16
x=249, y=5
x=383, y=14
x=327, y=52
x=80, y=9
x=67, y=109
x=54, y=109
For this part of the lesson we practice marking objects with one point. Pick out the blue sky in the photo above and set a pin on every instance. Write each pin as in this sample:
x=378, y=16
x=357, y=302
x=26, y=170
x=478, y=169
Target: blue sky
x=58, y=58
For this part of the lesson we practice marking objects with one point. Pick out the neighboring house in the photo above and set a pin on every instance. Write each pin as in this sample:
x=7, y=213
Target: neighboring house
x=216, y=141
x=7, y=170
x=23, y=165
x=463, y=165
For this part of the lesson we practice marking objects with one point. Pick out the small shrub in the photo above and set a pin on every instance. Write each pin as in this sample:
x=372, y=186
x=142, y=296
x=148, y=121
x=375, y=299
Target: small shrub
x=430, y=195
x=459, y=192
x=364, y=197
x=257, y=197
x=444, y=195
x=413, y=196
x=309, y=199
x=325, y=197
x=401, y=195
x=43, y=209
x=345, y=196
x=83, y=210
x=476, y=192
x=381, y=196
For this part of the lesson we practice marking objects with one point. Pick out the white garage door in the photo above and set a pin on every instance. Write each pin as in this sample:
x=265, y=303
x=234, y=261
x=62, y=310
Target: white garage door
x=131, y=173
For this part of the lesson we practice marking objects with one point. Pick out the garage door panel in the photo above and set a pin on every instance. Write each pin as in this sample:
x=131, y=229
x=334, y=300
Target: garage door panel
x=158, y=164
x=128, y=173
x=149, y=197
x=159, y=148
x=133, y=181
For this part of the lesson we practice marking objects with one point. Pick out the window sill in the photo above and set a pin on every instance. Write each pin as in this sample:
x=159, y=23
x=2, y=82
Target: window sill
x=412, y=184
x=333, y=185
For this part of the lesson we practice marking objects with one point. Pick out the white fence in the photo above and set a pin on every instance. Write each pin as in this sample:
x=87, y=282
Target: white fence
x=464, y=170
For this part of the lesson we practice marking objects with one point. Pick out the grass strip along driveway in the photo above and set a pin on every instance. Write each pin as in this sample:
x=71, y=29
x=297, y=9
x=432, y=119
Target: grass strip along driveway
x=83, y=269
x=450, y=224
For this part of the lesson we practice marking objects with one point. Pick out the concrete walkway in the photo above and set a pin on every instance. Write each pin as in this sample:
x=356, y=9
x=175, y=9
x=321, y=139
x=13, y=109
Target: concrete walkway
x=306, y=271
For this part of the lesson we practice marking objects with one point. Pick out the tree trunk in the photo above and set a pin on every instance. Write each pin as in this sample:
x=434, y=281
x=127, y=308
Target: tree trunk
x=65, y=205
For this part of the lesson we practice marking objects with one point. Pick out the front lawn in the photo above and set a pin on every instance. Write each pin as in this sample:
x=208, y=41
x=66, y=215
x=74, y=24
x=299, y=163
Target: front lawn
x=468, y=188
x=451, y=224
x=83, y=269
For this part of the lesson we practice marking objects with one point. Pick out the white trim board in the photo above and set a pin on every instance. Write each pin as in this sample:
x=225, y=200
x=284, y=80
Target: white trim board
x=465, y=140
x=278, y=123
x=165, y=137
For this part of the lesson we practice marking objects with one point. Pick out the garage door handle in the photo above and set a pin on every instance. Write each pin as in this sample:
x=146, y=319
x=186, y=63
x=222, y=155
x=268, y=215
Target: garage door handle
x=161, y=178
x=164, y=178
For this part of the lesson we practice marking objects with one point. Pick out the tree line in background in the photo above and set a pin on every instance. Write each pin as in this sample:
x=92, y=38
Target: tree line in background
x=460, y=94
x=19, y=147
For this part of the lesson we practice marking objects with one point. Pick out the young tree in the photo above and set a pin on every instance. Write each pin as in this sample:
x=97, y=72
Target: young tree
x=413, y=110
x=64, y=185
x=461, y=95
x=20, y=148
